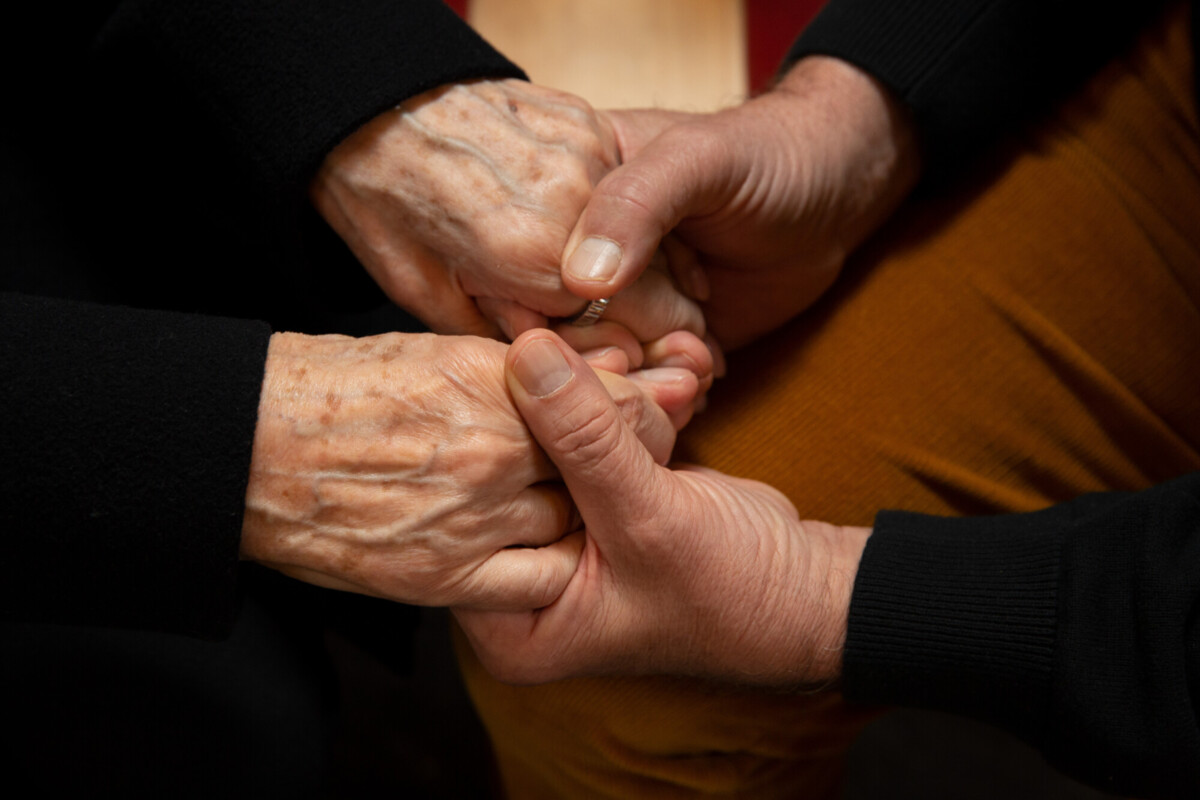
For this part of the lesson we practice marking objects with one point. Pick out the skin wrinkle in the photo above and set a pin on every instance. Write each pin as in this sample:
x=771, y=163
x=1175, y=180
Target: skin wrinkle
x=496, y=94
x=463, y=489
x=540, y=141
x=426, y=486
x=460, y=208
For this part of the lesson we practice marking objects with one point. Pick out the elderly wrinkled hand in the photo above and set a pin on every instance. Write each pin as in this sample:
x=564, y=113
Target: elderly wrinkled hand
x=769, y=197
x=397, y=466
x=683, y=571
x=459, y=203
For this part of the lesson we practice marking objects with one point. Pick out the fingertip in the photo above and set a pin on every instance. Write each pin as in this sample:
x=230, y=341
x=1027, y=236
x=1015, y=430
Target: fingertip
x=672, y=389
x=603, y=334
x=669, y=384
x=614, y=240
x=718, y=355
x=594, y=262
x=679, y=420
x=610, y=359
x=552, y=568
x=684, y=350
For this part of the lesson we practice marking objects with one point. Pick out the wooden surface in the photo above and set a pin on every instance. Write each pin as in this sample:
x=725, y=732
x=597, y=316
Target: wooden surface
x=688, y=54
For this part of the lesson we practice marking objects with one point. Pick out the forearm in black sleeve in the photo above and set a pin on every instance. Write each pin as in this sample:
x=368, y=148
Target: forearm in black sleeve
x=126, y=438
x=971, y=69
x=1076, y=628
x=287, y=80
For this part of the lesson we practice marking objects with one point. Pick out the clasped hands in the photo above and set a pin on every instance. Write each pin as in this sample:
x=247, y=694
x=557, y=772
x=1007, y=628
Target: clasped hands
x=439, y=474
x=397, y=465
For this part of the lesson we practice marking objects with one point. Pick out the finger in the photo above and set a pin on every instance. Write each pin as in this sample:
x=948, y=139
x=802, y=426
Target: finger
x=523, y=578
x=510, y=317
x=450, y=313
x=676, y=175
x=718, y=355
x=541, y=514
x=653, y=307
x=634, y=128
x=685, y=267
x=609, y=359
x=685, y=351
x=604, y=333
x=419, y=283
x=674, y=390
x=576, y=422
x=644, y=396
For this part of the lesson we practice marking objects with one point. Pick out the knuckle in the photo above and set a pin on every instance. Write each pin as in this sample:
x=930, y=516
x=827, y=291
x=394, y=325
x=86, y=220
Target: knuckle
x=633, y=191
x=633, y=410
x=591, y=442
x=672, y=310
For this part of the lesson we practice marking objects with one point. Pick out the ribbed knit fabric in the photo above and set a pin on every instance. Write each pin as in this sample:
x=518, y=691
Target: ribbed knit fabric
x=958, y=615
x=972, y=68
x=287, y=80
x=1127, y=655
x=1074, y=628
x=126, y=442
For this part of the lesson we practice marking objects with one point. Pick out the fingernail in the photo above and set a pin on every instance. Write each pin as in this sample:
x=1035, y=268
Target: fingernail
x=663, y=375
x=599, y=352
x=682, y=361
x=505, y=328
x=541, y=368
x=595, y=260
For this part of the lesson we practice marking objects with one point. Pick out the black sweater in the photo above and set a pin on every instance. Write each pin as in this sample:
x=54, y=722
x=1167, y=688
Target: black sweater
x=160, y=163
x=1077, y=628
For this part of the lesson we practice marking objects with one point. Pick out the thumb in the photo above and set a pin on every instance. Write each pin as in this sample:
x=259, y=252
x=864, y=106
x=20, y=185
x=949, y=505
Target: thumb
x=581, y=429
x=675, y=176
x=637, y=127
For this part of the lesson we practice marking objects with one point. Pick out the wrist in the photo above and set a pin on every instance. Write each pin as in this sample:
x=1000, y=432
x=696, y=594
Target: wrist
x=869, y=135
x=854, y=99
x=268, y=439
x=833, y=573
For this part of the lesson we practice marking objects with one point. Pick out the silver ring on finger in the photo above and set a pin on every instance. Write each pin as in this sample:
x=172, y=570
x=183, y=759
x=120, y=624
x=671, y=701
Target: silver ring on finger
x=592, y=314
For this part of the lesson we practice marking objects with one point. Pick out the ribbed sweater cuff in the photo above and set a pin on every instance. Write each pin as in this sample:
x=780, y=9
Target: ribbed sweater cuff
x=288, y=80
x=128, y=437
x=899, y=42
x=972, y=69
x=957, y=615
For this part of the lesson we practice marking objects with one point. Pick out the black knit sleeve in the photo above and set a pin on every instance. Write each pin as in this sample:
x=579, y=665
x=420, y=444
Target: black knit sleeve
x=126, y=441
x=1076, y=628
x=287, y=80
x=971, y=69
